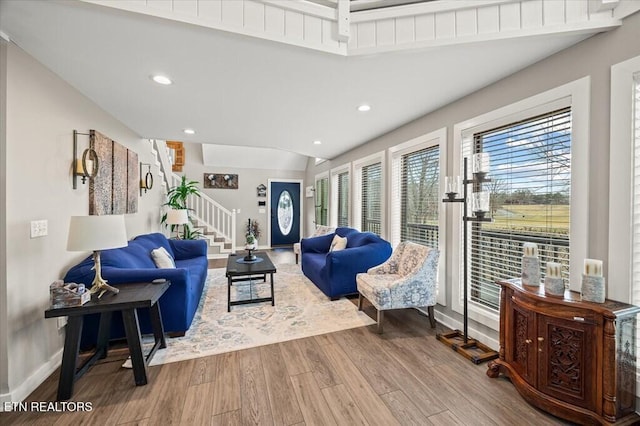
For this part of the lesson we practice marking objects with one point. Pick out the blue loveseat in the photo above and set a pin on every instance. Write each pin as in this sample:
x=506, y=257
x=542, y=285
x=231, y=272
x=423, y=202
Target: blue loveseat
x=133, y=264
x=335, y=272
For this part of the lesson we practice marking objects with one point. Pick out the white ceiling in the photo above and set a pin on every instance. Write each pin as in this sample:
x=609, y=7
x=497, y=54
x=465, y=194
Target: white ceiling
x=238, y=90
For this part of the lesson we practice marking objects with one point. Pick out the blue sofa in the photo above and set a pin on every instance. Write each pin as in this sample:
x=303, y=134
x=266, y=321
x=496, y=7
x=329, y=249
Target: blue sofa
x=335, y=272
x=133, y=264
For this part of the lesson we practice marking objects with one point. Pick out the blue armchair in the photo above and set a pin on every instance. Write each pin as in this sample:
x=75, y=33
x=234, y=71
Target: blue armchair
x=133, y=264
x=334, y=272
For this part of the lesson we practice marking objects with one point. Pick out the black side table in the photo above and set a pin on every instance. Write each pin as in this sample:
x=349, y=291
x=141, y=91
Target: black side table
x=130, y=298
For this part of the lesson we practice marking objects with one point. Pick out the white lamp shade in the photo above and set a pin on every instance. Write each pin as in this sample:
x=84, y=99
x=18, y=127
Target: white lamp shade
x=177, y=217
x=89, y=233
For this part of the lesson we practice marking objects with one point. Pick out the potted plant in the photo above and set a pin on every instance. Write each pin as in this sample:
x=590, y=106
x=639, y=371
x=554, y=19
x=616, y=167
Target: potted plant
x=177, y=199
x=252, y=234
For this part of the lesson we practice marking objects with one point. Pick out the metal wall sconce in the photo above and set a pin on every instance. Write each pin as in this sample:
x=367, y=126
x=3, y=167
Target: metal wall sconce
x=86, y=166
x=147, y=182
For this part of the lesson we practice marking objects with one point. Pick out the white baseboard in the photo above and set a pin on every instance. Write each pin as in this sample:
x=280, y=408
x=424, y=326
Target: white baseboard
x=32, y=382
x=454, y=324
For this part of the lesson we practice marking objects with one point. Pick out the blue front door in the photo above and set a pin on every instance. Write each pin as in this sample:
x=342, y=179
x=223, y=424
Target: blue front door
x=285, y=213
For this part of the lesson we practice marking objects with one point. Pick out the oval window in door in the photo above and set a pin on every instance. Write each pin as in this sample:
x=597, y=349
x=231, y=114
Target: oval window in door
x=285, y=212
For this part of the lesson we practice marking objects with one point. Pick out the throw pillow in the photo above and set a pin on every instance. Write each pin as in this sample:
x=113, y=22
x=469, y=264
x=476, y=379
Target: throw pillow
x=338, y=243
x=162, y=258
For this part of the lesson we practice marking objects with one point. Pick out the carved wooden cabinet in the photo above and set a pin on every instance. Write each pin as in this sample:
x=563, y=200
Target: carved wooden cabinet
x=573, y=359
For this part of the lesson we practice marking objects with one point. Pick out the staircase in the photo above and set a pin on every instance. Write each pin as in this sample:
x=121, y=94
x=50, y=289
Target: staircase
x=217, y=223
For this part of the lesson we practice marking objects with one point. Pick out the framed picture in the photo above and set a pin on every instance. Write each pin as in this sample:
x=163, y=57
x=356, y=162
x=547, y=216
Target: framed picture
x=220, y=181
x=261, y=190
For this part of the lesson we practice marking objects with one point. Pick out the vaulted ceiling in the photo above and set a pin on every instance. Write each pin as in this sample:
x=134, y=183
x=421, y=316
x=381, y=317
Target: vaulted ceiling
x=235, y=88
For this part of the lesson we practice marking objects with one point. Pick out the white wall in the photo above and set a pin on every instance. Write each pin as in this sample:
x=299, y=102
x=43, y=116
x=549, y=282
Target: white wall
x=243, y=198
x=592, y=57
x=41, y=113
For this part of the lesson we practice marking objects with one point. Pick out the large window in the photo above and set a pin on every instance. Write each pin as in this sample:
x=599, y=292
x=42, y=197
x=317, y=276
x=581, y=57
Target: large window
x=340, y=203
x=420, y=196
x=343, y=199
x=636, y=192
x=368, y=201
x=371, y=207
x=530, y=200
x=416, y=211
x=322, y=201
x=556, y=193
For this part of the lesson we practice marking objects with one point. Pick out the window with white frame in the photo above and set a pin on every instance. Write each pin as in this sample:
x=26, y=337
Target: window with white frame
x=416, y=194
x=371, y=206
x=340, y=190
x=530, y=200
x=636, y=191
x=322, y=200
x=539, y=171
x=368, y=193
x=623, y=267
x=416, y=212
x=343, y=199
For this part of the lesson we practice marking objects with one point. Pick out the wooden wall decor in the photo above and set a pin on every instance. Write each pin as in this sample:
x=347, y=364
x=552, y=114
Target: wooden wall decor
x=119, y=179
x=220, y=181
x=133, y=179
x=100, y=187
x=115, y=189
x=178, y=155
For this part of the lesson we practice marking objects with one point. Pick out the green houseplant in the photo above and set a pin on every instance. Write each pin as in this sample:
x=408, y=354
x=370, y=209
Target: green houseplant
x=177, y=199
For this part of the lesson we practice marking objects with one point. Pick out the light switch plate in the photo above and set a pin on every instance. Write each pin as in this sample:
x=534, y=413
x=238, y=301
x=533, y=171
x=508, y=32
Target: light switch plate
x=39, y=228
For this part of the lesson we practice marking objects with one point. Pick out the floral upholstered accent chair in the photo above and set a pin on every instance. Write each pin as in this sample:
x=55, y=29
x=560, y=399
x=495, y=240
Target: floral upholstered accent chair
x=408, y=279
x=320, y=230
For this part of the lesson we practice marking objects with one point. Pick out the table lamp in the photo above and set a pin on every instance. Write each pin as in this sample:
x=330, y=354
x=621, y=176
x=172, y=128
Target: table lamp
x=95, y=233
x=177, y=217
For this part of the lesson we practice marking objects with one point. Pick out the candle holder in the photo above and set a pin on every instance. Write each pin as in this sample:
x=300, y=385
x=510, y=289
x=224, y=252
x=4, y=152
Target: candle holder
x=554, y=286
x=531, y=271
x=458, y=340
x=592, y=289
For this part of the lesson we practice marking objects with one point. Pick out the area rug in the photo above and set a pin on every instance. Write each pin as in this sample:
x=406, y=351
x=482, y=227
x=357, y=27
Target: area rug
x=300, y=310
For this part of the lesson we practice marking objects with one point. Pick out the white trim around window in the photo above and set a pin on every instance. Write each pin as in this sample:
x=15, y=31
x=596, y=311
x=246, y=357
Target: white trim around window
x=621, y=163
x=575, y=95
x=358, y=165
x=333, y=194
x=435, y=138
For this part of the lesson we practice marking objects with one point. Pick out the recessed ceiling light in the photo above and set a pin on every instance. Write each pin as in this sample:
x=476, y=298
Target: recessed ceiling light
x=189, y=131
x=161, y=79
x=317, y=142
x=364, y=108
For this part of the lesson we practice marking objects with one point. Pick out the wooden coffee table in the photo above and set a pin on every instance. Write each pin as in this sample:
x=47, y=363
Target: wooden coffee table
x=240, y=270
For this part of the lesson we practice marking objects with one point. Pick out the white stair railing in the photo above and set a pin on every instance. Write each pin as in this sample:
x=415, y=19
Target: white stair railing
x=211, y=214
x=162, y=154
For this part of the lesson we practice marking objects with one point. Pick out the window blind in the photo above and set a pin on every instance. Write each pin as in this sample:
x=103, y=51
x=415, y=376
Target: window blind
x=343, y=199
x=636, y=193
x=530, y=201
x=420, y=196
x=322, y=201
x=372, y=198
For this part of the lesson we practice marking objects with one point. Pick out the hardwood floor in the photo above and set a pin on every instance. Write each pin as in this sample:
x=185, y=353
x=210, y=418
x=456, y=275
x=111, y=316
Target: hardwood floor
x=352, y=377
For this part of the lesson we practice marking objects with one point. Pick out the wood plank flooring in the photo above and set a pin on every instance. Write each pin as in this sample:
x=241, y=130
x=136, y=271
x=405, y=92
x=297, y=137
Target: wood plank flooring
x=351, y=377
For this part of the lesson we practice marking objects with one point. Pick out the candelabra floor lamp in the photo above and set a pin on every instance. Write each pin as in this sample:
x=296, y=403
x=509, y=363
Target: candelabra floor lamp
x=458, y=340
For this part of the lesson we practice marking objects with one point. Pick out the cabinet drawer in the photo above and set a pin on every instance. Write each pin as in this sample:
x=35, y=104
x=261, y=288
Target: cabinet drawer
x=566, y=312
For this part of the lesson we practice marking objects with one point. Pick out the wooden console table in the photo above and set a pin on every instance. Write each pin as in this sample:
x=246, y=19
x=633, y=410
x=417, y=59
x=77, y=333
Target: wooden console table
x=130, y=298
x=573, y=359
